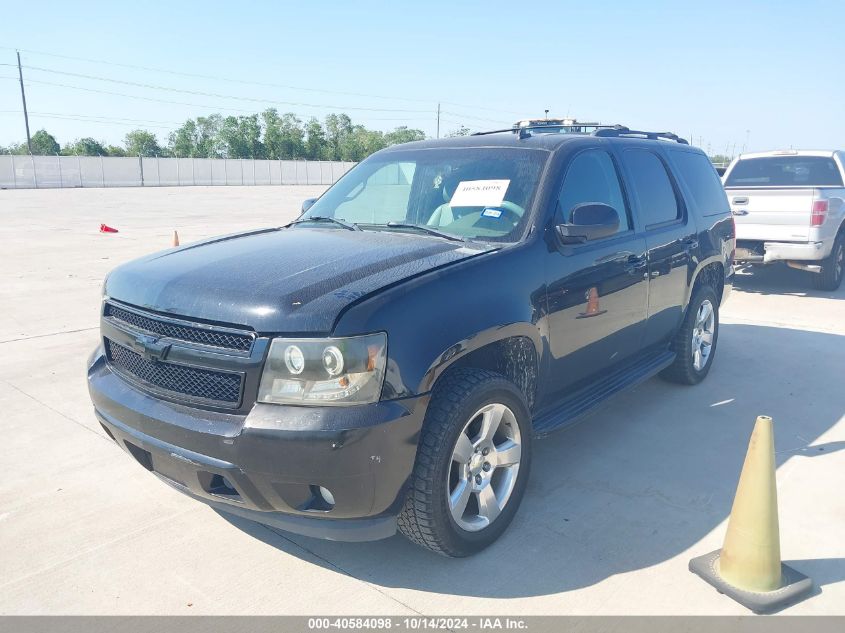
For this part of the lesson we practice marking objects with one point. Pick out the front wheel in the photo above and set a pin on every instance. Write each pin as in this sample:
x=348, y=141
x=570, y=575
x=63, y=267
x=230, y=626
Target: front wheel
x=695, y=342
x=472, y=464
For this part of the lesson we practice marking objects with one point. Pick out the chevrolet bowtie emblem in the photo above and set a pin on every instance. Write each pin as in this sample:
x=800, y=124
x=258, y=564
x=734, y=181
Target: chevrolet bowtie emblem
x=151, y=348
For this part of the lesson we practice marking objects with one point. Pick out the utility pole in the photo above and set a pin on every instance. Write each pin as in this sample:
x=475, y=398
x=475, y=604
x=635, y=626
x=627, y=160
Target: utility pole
x=23, y=98
x=438, y=120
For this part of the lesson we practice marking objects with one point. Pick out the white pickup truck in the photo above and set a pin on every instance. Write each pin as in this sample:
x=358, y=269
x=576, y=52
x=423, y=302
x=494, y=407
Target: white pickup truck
x=789, y=206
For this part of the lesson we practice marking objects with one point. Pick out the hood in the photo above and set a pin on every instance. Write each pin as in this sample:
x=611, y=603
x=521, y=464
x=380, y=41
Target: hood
x=288, y=280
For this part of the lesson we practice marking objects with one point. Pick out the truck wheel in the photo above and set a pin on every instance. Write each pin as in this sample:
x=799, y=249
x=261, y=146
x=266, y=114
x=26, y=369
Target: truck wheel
x=695, y=343
x=472, y=465
x=831, y=275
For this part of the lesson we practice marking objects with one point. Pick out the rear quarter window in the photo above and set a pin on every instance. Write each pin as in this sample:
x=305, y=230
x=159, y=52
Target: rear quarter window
x=785, y=171
x=699, y=175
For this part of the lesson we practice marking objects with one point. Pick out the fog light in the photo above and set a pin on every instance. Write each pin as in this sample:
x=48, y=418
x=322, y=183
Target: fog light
x=326, y=495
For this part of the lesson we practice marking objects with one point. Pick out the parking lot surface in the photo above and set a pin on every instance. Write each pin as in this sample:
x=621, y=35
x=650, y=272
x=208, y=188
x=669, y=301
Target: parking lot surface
x=615, y=508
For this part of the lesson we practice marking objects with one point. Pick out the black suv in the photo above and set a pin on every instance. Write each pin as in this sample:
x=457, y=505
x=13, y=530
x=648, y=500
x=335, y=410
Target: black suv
x=386, y=360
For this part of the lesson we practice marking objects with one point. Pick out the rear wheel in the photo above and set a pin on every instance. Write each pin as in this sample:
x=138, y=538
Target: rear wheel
x=472, y=464
x=830, y=277
x=695, y=342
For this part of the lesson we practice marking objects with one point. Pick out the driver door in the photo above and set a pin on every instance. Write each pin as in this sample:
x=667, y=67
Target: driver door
x=597, y=291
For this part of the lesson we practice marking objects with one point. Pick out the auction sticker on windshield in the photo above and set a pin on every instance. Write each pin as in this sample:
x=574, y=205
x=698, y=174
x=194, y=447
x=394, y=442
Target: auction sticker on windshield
x=479, y=193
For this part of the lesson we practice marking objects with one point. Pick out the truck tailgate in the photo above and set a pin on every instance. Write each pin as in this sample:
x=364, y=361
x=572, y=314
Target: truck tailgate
x=775, y=215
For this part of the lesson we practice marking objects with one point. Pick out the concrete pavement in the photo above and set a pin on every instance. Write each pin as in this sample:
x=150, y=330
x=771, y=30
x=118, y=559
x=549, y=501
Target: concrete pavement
x=615, y=507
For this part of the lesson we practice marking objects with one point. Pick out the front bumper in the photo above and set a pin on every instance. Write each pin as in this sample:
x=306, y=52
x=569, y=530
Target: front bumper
x=268, y=465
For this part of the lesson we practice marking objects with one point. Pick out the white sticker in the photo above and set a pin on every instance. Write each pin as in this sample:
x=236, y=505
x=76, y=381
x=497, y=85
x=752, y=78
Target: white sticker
x=492, y=213
x=479, y=193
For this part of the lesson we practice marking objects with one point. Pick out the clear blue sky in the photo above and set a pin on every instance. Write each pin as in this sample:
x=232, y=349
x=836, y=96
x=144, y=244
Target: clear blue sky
x=710, y=69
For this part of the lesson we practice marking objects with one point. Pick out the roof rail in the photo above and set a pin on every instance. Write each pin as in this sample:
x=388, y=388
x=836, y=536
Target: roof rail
x=601, y=130
x=622, y=131
x=524, y=131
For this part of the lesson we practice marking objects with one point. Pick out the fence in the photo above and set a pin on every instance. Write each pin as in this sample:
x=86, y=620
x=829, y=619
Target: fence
x=37, y=172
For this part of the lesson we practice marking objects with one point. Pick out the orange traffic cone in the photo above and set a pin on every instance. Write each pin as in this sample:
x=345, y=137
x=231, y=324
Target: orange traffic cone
x=748, y=567
x=593, y=308
x=175, y=238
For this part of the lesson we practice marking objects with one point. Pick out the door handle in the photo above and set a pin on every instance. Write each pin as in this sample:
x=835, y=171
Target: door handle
x=634, y=263
x=620, y=256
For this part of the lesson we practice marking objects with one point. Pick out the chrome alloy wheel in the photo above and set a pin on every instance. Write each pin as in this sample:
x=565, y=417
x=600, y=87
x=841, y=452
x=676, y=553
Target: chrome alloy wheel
x=838, y=262
x=703, y=332
x=484, y=467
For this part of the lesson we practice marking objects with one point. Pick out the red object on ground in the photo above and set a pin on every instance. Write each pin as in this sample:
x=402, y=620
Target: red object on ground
x=105, y=228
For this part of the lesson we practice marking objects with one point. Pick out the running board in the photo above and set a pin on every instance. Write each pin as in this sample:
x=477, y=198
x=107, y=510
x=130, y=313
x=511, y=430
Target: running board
x=576, y=406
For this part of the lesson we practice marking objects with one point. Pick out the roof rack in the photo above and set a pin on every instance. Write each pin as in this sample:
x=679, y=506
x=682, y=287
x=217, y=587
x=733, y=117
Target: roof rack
x=601, y=130
x=621, y=130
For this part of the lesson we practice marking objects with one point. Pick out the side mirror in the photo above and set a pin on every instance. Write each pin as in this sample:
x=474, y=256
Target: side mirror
x=308, y=203
x=588, y=221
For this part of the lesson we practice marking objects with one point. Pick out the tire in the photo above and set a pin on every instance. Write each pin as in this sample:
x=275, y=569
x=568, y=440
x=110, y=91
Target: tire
x=457, y=412
x=830, y=278
x=689, y=368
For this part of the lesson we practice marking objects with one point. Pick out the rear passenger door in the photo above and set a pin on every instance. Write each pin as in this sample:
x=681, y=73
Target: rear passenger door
x=670, y=234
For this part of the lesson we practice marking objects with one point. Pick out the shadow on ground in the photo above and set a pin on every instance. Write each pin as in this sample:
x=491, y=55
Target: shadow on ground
x=639, y=482
x=780, y=279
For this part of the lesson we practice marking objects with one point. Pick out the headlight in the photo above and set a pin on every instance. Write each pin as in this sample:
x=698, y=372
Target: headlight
x=331, y=371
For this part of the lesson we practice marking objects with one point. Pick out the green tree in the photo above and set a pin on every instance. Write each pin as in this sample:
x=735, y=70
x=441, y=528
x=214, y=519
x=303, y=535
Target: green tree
x=85, y=147
x=182, y=141
x=315, y=140
x=461, y=131
x=241, y=137
x=283, y=135
x=338, y=130
x=361, y=143
x=15, y=148
x=44, y=143
x=403, y=134
x=207, y=140
x=114, y=150
x=142, y=143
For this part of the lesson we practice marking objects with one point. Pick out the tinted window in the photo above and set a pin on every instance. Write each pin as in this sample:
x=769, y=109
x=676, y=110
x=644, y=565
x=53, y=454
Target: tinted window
x=592, y=177
x=785, y=171
x=654, y=191
x=698, y=173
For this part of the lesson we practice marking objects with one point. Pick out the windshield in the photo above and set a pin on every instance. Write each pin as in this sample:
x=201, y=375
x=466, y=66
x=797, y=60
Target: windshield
x=785, y=171
x=477, y=193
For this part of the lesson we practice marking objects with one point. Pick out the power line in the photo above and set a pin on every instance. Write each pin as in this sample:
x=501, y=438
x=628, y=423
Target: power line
x=207, y=107
x=477, y=118
x=216, y=95
x=260, y=83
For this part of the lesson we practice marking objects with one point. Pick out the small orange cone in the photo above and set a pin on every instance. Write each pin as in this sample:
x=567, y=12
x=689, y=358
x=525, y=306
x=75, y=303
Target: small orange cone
x=748, y=568
x=175, y=238
x=593, y=308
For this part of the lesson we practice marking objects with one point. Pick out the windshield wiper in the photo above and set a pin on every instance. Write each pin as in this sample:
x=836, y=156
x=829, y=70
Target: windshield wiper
x=351, y=226
x=425, y=229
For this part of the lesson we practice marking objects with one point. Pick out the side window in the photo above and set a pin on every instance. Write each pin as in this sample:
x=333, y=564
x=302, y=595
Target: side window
x=592, y=177
x=655, y=194
x=703, y=182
